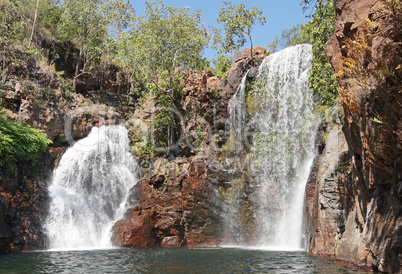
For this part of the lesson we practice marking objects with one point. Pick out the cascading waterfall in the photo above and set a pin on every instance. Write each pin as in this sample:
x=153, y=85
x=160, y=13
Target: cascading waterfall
x=283, y=130
x=237, y=108
x=89, y=190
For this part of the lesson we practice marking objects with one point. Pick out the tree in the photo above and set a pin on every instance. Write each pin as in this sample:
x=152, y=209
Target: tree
x=49, y=14
x=321, y=26
x=221, y=64
x=12, y=28
x=34, y=22
x=238, y=22
x=163, y=46
x=87, y=23
x=291, y=37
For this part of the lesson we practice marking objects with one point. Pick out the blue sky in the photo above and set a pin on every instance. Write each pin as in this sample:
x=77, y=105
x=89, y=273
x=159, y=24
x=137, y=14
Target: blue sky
x=280, y=14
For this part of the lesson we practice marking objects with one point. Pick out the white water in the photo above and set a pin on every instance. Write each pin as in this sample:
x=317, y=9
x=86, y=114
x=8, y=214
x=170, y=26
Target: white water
x=89, y=190
x=237, y=108
x=283, y=144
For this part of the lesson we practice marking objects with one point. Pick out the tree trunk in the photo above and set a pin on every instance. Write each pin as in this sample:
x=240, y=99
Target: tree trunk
x=77, y=69
x=4, y=75
x=251, y=49
x=171, y=125
x=34, y=22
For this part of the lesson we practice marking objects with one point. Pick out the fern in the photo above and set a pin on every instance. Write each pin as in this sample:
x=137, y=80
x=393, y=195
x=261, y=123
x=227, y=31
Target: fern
x=20, y=142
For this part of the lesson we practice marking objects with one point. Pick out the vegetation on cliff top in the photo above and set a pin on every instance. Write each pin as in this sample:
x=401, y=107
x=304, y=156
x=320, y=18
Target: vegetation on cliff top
x=238, y=22
x=159, y=48
x=320, y=28
x=315, y=32
x=163, y=46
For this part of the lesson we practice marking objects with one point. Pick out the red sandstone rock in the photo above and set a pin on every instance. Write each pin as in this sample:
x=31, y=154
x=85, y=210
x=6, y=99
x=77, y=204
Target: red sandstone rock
x=172, y=241
x=359, y=219
x=258, y=53
x=177, y=212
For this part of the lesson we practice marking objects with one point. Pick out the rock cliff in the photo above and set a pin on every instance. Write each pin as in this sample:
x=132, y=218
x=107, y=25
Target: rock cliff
x=357, y=215
x=175, y=204
x=36, y=93
x=180, y=200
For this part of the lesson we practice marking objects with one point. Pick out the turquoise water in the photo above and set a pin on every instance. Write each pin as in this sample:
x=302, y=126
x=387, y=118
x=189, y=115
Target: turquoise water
x=169, y=260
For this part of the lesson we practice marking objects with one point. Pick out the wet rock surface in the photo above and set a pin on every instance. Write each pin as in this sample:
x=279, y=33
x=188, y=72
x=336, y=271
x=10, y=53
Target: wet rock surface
x=169, y=208
x=175, y=206
x=179, y=201
x=23, y=204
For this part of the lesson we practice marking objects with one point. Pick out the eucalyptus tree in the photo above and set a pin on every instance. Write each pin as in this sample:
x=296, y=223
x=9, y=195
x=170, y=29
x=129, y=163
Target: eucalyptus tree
x=12, y=27
x=291, y=37
x=238, y=22
x=34, y=23
x=87, y=22
x=163, y=46
x=320, y=28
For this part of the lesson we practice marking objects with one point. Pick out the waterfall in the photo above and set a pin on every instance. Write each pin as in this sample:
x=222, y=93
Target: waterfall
x=280, y=110
x=237, y=108
x=89, y=190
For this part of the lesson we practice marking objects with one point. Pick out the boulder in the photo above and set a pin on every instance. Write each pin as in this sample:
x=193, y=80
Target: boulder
x=175, y=208
x=258, y=53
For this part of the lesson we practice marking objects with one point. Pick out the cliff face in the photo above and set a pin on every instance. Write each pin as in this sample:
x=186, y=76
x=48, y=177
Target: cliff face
x=180, y=200
x=176, y=203
x=34, y=93
x=358, y=214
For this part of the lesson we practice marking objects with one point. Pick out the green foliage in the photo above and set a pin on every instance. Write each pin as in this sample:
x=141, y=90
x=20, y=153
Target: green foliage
x=393, y=4
x=200, y=135
x=49, y=14
x=68, y=91
x=291, y=37
x=162, y=41
x=12, y=29
x=20, y=142
x=144, y=149
x=238, y=22
x=164, y=118
x=222, y=63
x=87, y=22
x=160, y=123
x=162, y=46
x=321, y=26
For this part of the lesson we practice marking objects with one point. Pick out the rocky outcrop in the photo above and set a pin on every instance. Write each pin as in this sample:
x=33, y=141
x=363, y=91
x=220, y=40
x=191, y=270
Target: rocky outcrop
x=175, y=206
x=180, y=200
x=23, y=204
x=325, y=194
x=359, y=221
x=55, y=112
x=38, y=93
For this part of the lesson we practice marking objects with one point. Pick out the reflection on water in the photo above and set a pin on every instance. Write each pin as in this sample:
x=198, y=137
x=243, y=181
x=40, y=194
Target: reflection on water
x=171, y=260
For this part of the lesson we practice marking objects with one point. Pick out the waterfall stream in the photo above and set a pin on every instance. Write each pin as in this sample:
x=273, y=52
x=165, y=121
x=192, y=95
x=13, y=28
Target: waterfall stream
x=237, y=108
x=280, y=114
x=89, y=190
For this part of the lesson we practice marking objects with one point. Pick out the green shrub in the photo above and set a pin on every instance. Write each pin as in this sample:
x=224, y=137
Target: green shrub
x=144, y=149
x=20, y=142
x=319, y=29
x=222, y=64
x=160, y=124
